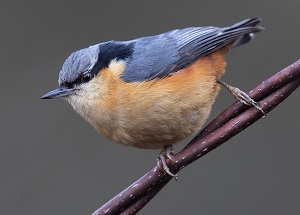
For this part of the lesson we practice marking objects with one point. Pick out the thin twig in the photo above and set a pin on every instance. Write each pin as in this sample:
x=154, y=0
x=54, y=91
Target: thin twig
x=229, y=123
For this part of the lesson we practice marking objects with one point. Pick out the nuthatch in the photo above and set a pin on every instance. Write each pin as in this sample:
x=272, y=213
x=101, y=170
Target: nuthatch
x=152, y=92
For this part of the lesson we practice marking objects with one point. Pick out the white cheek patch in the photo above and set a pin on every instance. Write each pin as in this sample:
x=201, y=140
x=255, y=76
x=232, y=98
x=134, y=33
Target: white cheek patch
x=117, y=66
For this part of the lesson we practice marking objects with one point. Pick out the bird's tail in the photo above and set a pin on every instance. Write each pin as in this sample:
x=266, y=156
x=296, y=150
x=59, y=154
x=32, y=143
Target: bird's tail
x=248, y=23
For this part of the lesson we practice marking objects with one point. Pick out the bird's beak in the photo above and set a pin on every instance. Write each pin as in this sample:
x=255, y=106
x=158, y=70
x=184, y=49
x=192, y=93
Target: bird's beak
x=58, y=93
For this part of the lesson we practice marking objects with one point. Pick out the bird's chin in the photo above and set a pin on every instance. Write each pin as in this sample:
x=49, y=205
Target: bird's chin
x=78, y=103
x=66, y=98
x=70, y=98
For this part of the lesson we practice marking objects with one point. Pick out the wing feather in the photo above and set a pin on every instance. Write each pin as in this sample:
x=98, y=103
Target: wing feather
x=165, y=54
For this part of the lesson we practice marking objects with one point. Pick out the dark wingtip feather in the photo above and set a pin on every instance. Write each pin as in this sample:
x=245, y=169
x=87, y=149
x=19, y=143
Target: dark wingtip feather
x=247, y=23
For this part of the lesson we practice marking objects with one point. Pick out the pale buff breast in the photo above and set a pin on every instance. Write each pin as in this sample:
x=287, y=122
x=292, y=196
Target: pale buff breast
x=154, y=113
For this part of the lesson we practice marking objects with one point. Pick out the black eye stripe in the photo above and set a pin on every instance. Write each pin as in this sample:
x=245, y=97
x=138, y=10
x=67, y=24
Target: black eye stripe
x=86, y=77
x=83, y=77
x=67, y=85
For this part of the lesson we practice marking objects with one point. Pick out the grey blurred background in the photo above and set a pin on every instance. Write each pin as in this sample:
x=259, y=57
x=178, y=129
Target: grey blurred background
x=53, y=162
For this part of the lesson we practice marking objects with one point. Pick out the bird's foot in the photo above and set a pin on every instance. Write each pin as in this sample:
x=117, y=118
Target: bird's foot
x=242, y=97
x=166, y=152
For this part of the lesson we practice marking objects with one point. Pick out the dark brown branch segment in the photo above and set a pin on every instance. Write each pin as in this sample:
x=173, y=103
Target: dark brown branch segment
x=230, y=122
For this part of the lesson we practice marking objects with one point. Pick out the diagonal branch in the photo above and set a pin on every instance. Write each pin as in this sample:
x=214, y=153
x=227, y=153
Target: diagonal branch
x=230, y=122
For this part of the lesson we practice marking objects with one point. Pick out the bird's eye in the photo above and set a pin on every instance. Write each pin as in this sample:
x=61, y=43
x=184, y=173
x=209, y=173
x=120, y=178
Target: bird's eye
x=85, y=77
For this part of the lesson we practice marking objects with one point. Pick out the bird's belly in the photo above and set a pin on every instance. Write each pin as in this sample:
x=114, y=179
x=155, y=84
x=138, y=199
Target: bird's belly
x=155, y=128
x=160, y=116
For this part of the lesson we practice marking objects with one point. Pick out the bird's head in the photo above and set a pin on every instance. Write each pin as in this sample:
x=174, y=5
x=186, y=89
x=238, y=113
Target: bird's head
x=83, y=66
x=78, y=69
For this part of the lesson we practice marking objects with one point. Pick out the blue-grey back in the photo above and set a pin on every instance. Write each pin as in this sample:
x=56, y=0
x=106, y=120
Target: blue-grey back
x=165, y=54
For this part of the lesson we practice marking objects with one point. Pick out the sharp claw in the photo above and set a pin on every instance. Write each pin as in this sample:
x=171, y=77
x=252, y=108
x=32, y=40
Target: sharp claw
x=260, y=109
x=170, y=152
x=242, y=97
x=171, y=157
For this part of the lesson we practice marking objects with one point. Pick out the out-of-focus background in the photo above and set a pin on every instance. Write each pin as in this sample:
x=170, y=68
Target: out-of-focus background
x=53, y=162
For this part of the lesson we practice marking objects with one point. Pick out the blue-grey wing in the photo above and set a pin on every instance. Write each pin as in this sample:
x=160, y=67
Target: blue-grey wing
x=165, y=54
x=152, y=56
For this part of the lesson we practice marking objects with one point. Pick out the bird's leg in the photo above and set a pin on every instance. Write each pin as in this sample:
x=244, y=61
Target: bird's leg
x=166, y=152
x=241, y=96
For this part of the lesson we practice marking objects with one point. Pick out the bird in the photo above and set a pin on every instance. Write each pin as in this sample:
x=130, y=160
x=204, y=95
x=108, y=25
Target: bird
x=155, y=91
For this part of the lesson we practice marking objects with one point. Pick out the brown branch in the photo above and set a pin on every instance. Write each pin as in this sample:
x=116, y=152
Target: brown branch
x=230, y=122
